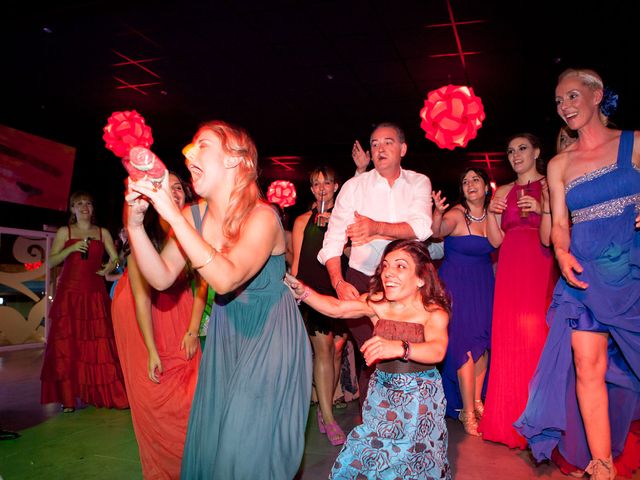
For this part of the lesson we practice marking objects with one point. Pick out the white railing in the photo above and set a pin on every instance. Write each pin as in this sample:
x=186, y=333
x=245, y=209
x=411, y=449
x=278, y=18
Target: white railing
x=26, y=287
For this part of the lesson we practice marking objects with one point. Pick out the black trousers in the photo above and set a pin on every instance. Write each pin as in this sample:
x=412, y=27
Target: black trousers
x=361, y=330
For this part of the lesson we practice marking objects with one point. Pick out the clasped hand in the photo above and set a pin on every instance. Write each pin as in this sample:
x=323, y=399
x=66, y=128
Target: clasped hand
x=144, y=192
x=362, y=230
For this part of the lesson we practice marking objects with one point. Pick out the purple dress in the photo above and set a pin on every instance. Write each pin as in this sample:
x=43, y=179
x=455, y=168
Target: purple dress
x=603, y=205
x=467, y=273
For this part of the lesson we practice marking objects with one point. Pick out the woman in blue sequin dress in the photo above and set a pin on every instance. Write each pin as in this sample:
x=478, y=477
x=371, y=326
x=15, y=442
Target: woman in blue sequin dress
x=585, y=395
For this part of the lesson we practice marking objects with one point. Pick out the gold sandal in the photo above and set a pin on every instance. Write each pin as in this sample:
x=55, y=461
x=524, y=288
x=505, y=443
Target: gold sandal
x=601, y=469
x=469, y=422
x=478, y=409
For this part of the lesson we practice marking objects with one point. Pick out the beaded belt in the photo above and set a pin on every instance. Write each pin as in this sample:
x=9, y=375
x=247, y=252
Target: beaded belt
x=610, y=208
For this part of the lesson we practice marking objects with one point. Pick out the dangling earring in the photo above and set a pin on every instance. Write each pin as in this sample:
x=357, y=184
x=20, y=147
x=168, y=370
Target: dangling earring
x=231, y=162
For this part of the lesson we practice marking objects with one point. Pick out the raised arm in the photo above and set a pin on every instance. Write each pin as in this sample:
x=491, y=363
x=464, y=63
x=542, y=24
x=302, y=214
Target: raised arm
x=497, y=206
x=329, y=306
x=160, y=271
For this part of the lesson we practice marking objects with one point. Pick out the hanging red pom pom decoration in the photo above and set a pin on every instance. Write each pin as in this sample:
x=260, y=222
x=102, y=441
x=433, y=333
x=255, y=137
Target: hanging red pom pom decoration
x=451, y=116
x=282, y=192
x=129, y=137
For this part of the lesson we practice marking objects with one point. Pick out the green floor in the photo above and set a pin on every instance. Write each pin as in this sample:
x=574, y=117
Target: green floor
x=87, y=444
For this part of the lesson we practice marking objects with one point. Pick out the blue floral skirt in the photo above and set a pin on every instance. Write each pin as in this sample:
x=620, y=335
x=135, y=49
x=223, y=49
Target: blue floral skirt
x=403, y=435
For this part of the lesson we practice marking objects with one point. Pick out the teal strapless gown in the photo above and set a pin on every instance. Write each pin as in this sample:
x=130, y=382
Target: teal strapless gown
x=250, y=407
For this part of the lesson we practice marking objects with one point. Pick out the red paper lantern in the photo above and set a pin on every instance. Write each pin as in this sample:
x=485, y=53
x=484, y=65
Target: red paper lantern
x=282, y=192
x=451, y=116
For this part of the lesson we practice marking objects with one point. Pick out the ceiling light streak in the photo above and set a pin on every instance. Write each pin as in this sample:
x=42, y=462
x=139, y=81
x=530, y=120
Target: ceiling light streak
x=136, y=63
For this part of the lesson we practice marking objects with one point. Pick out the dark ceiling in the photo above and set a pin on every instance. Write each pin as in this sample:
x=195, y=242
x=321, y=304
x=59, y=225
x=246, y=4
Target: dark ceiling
x=306, y=78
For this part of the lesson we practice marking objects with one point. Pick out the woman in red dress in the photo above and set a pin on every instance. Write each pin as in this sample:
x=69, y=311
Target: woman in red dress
x=157, y=337
x=519, y=216
x=80, y=359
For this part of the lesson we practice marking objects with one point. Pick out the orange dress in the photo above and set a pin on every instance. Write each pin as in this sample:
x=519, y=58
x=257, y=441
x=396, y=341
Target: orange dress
x=525, y=278
x=159, y=411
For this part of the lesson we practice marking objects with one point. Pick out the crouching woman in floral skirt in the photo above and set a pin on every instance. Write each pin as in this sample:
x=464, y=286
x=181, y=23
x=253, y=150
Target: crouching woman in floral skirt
x=403, y=433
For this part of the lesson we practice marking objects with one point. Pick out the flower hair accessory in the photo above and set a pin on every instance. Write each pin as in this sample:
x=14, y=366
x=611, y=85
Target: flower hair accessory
x=609, y=103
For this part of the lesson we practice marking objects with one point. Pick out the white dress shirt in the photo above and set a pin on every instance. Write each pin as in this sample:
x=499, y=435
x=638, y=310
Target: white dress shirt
x=369, y=194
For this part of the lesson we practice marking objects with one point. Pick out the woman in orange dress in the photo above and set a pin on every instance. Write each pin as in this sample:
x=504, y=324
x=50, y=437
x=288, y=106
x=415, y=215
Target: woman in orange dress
x=157, y=338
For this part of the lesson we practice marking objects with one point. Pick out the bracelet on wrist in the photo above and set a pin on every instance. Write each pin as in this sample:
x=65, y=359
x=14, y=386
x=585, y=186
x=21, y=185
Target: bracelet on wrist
x=212, y=254
x=544, y=212
x=304, y=295
x=407, y=350
x=191, y=334
x=335, y=287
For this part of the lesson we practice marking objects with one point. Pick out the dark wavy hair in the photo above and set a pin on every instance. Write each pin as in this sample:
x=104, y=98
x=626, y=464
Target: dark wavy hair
x=432, y=292
x=487, y=182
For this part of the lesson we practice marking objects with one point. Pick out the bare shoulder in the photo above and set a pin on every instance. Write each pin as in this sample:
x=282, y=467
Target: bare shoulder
x=63, y=233
x=437, y=317
x=503, y=190
x=105, y=233
x=302, y=219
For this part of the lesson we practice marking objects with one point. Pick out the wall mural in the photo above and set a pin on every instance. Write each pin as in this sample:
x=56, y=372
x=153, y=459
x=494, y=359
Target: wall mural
x=24, y=294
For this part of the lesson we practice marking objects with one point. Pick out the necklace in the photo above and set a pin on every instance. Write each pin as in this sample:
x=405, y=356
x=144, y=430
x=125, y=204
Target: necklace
x=471, y=218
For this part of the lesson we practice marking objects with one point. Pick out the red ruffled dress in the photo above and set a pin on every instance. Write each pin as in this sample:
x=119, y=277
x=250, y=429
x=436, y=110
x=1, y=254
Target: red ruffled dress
x=80, y=359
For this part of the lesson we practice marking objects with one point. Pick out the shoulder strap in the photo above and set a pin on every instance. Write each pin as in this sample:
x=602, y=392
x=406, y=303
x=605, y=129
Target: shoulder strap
x=625, y=149
x=197, y=219
x=69, y=232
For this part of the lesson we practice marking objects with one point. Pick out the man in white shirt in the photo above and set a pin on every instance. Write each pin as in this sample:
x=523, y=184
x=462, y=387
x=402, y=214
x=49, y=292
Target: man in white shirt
x=371, y=210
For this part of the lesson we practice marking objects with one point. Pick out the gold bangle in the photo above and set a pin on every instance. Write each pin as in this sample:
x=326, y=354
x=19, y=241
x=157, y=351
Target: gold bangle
x=212, y=255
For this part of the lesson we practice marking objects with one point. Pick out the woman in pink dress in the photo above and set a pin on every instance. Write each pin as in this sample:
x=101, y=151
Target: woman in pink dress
x=157, y=337
x=519, y=216
x=80, y=360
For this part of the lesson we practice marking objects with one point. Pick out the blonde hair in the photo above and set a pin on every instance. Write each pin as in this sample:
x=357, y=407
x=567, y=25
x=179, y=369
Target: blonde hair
x=589, y=79
x=236, y=142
